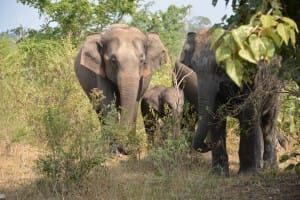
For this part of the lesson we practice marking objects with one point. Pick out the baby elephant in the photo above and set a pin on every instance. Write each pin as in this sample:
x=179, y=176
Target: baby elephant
x=160, y=102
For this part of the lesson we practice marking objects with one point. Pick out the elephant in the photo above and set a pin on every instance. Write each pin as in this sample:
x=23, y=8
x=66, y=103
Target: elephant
x=255, y=105
x=157, y=103
x=116, y=66
x=186, y=80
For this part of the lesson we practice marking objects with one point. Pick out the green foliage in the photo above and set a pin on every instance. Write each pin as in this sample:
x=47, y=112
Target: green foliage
x=251, y=43
x=166, y=157
x=289, y=121
x=75, y=18
x=48, y=107
x=171, y=144
x=114, y=134
x=169, y=25
x=73, y=150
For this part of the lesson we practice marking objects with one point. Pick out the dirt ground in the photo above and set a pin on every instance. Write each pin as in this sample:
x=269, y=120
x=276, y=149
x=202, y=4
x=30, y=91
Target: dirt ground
x=18, y=180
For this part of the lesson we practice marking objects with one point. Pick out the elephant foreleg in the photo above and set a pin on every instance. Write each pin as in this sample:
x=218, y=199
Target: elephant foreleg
x=219, y=152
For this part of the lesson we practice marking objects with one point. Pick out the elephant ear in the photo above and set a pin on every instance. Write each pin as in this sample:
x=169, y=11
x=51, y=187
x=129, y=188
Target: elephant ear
x=90, y=54
x=156, y=53
x=188, y=49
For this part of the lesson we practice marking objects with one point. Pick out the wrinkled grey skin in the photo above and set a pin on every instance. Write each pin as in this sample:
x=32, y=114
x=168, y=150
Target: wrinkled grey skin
x=118, y=65
x=159, y=102
x=218, y=97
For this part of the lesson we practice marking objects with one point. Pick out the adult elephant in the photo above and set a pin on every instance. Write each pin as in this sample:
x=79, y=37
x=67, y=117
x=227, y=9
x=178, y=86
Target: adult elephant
x=116, y=66
x=160, y=102
x=186, y=80
x=255, y=105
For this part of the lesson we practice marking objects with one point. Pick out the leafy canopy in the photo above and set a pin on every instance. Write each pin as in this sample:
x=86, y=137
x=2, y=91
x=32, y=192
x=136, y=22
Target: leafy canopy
x=245, y=41
x=76, y=17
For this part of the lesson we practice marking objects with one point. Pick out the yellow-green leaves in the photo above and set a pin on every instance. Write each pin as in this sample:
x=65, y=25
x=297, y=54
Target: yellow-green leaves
x=234, y=69
x=252, y=42
x=247, y=55
x=240, y=34
x=262, y=48
x=283, y=33
x=268, y=21
x=223, y=53
x=217, y=33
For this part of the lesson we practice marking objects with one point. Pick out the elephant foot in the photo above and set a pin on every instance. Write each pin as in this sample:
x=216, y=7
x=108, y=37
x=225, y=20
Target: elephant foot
x=221, y=171
x=247, y=170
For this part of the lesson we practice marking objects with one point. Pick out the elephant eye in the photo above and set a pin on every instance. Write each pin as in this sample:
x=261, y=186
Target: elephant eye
x=142, y=59
x=113, y=59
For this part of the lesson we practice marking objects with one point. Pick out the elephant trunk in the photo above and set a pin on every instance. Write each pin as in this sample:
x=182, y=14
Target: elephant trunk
x=206, y=108
x=129, y=96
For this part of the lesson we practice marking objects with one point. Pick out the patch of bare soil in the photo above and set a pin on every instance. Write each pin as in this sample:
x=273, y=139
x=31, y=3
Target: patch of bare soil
x=262, y=186
x=16, y=164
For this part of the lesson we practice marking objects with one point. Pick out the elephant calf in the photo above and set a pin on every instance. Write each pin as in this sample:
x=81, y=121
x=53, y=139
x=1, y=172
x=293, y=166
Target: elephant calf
x=159, y=102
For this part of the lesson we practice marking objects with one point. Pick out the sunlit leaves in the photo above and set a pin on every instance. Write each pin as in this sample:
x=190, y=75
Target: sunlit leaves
x=268, y=21
x=75, y=18
x=223, y=53
x=270, y=32
x=234, y=69
x=240, y=34
x=216, y=35
x=252, y=43
x=247, y=55
x=283, y=33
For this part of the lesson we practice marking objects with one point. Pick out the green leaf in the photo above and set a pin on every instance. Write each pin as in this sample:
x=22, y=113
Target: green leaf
x=240, y=35
x=216, y=35
x=269, y=47
x=229, y=42
x=247, y=55
x=256, y=46
x=268, y=21
x=290, y=167
x=290, y=22
x=269, y=32
x=283, y=32
x=222, y=53
x=284, y=158
x=234, y=69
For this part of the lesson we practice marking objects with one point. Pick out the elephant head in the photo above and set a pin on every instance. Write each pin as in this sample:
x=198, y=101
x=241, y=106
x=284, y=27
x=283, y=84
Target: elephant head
x=122, y=59
x=197, y=55
x=160, y=102
x=174, y=99
x=188, y=49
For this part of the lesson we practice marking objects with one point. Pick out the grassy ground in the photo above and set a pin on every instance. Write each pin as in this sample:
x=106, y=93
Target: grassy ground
x=127, y=178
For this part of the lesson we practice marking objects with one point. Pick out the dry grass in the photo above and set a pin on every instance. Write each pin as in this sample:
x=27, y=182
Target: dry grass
x=128, y=178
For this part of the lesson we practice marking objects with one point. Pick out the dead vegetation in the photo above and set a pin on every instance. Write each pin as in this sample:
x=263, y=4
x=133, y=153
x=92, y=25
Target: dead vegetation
x=129, y=178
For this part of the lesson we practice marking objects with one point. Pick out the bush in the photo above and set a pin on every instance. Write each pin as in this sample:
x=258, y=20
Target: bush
x=49, y=107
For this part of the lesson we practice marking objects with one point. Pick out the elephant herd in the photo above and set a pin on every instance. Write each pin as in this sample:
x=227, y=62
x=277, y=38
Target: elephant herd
x=116, y=66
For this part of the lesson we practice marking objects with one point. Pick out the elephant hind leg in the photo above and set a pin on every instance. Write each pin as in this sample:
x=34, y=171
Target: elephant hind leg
x=269, y=129
x=251, y=142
